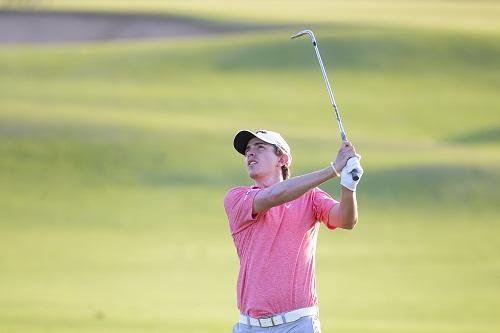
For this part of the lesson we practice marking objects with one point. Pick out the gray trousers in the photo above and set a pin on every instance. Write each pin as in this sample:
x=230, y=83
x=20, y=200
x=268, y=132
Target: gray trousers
x=308, y=324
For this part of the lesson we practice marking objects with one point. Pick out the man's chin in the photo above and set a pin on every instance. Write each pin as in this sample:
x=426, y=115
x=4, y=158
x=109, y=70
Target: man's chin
x=252, y=174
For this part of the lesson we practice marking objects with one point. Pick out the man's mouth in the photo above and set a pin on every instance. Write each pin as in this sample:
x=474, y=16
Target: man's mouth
x=252, y=163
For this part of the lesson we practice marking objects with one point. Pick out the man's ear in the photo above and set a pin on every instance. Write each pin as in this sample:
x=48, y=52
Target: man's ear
x=284, y=160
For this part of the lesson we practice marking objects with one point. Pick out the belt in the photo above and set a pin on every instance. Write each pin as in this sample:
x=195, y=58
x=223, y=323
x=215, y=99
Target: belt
x=282, y=318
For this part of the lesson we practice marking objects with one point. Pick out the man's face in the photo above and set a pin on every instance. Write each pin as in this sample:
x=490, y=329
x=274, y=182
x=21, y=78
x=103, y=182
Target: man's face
x=261, y=159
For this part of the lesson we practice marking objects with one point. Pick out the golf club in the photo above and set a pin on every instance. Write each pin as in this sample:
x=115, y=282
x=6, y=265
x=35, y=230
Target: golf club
x=343, y=136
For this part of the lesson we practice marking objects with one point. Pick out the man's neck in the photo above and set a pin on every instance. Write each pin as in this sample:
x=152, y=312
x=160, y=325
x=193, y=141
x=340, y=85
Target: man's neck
x=268, y=181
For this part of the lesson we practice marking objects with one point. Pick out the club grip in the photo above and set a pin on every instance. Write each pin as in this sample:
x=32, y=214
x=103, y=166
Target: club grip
x=355, y=175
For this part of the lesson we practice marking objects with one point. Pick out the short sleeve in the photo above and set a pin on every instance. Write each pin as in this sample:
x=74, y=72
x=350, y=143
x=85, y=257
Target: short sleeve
x=322, y=204
x=238, y=204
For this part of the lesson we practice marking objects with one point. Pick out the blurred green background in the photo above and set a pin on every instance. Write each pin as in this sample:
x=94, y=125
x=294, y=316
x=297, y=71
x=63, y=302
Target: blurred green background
x=115, y=157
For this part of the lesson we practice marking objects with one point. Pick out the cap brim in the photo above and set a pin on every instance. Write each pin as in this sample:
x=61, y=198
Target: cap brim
x=241, y=140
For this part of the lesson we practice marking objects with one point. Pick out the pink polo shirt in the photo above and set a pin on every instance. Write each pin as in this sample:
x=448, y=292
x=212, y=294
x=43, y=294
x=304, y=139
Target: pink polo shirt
x=276, y=249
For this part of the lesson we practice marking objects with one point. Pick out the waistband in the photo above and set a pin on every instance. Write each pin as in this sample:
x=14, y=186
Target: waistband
x=282, y=318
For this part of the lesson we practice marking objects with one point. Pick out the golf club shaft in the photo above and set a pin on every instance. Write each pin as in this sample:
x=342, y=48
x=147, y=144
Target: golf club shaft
x=343, y=136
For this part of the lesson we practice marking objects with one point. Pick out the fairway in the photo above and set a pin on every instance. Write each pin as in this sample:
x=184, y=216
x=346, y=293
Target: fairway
x=115, y=158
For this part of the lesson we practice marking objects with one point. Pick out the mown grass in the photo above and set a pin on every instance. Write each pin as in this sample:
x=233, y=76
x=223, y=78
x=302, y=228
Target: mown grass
x=468, y=15
x=115, y=159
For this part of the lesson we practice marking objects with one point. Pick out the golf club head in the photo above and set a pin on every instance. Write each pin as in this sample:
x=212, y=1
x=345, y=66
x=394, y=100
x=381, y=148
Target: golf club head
x=305, y=32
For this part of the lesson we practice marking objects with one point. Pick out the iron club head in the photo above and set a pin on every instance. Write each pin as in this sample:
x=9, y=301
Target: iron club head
x=305, y=32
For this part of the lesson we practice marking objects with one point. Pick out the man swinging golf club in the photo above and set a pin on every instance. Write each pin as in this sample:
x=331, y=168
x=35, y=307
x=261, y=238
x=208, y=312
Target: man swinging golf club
x=275, y=224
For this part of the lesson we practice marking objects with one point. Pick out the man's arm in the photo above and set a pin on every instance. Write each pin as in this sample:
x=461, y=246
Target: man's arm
x=293, y=188
x=345, y=214
x=289, y=189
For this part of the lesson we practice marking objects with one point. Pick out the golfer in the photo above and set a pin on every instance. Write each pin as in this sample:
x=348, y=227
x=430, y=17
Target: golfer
x=275, y=224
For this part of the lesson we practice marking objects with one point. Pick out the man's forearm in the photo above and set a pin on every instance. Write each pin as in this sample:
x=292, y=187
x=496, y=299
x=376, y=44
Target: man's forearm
x=348, y=208
x=345, y=214
x=293, y=188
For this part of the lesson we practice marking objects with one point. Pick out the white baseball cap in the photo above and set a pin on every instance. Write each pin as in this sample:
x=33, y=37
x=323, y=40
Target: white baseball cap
x=244, y=136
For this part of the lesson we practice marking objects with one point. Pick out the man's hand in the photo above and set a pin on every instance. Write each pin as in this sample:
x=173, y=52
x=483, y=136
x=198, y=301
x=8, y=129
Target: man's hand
x=346, y=151
x=346, y=176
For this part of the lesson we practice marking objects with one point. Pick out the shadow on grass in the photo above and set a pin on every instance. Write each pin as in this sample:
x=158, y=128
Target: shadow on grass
x=365, y=49
x=431, y=187
x=487, y=135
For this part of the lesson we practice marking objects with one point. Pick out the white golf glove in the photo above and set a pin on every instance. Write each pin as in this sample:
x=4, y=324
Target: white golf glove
x=346, y=174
